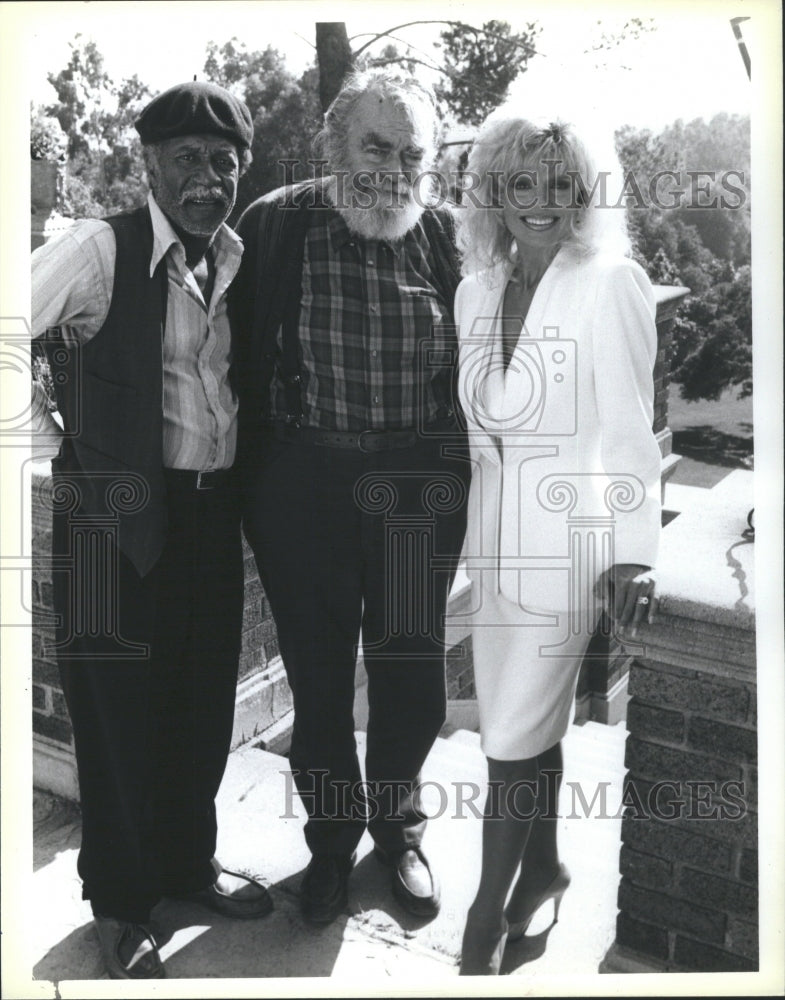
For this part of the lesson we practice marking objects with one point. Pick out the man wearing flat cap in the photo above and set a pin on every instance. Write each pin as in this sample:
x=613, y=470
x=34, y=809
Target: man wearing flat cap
x=147, y=562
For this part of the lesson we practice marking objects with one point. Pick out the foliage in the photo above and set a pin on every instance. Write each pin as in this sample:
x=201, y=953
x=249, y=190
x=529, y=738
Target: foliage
x=285, y=113
x=607, y=38
x=705, y=249
x=42, y=373
x=477, y=65
x=47, y=139
x=719, y=350
x=105, y=173
x=480, y=64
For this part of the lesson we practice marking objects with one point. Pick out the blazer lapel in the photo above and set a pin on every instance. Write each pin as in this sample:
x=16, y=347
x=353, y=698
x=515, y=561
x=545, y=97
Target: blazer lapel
x=521, y=384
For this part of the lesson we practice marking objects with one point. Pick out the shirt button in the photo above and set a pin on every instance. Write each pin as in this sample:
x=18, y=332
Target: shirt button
x=371, y=264
x=373, y=309
x=373, y=354
x=376, y=399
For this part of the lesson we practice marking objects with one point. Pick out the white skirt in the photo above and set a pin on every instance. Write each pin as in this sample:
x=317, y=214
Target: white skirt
x=525, y=676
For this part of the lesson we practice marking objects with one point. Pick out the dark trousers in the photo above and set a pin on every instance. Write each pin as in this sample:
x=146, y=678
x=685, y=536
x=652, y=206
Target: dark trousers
x=346, y=542
x=149, y=671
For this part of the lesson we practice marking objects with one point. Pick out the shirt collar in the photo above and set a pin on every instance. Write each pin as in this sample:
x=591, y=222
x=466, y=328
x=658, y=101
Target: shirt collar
x=164, y=237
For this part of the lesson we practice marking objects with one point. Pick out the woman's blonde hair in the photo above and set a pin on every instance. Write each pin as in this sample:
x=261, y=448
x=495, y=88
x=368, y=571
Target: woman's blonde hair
x=508, y=144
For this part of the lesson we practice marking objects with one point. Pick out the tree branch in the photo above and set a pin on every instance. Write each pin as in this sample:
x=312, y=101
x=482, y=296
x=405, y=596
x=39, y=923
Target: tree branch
x=451, y=74
x=454, y=24
x=397, y=27
x=411, y=59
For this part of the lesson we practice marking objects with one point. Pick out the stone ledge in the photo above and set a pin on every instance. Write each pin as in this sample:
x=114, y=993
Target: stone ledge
x=262, y=699
x=660, y=654
x=54, y=769
x=618, y=960
x=692, y=641
x=710, y=535
x=668, y=298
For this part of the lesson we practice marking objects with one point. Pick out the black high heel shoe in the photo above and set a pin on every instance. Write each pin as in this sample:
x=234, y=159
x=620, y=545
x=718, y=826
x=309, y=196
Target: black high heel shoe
x=554, y=890
x=483, y=958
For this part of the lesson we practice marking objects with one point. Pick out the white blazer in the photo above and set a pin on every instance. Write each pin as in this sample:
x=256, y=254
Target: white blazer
x=566, y=468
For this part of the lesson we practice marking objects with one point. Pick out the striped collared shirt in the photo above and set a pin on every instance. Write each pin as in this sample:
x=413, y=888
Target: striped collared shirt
x=72, y=282
x=367, y=309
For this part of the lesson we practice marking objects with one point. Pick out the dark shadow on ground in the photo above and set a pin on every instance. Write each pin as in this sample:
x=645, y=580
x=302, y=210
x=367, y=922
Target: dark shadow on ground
x=197, y=943
x=705, y=444
x=75, y=957
x=57, y=825
x=524, y=950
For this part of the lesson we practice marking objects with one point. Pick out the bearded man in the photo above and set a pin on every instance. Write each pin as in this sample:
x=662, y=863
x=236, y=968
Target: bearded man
x=148, y=570
x=355, y=480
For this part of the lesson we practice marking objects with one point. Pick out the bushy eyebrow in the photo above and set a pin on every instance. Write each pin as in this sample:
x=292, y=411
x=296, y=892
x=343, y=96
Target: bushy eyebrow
x=374, y=139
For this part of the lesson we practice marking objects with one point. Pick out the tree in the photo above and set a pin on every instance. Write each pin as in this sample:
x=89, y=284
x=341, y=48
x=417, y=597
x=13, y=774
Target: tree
x=285, y=112
x=47, y=139
x=479, y=64
x=105, y=173
x=334, y=57
x=720, y=353
x=706, y=249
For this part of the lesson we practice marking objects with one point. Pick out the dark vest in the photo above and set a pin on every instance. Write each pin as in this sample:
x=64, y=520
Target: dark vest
x=110, y=395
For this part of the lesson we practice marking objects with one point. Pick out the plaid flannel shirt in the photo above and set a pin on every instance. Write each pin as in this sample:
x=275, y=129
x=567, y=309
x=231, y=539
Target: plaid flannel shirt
x=368, y=308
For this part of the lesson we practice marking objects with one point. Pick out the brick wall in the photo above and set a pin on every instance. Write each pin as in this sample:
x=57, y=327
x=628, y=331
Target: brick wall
x=260, y=640
x=688, y=894
x=50, y=716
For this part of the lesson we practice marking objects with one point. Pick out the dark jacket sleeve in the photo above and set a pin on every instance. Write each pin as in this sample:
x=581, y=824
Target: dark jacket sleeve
x=265, y=280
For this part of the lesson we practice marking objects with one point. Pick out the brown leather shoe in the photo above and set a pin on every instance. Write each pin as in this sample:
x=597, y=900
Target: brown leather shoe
x=129, y=950
x=233, y=895
x=413, y=883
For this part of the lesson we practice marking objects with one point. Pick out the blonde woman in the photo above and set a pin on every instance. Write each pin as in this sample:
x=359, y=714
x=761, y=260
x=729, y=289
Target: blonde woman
x=557, y=346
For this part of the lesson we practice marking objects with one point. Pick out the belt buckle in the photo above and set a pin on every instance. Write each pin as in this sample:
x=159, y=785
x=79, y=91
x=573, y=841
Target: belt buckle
x=199, y=485
x=361, y=444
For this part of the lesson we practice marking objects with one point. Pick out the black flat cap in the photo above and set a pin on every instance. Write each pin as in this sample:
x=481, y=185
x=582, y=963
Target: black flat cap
x=194, y=108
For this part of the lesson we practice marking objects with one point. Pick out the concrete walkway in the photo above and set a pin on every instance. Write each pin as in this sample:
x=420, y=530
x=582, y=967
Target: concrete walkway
x=375, y=944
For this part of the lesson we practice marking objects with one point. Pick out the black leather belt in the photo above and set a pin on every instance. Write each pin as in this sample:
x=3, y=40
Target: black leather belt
x=192, y=479
x=366, y=441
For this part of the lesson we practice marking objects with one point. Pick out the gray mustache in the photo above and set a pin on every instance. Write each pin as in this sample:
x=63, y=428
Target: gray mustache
x=202, y=192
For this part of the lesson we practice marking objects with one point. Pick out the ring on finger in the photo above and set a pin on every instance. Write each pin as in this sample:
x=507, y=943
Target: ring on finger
x=642, y=601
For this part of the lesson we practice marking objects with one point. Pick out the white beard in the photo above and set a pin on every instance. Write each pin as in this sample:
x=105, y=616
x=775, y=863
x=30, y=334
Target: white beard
x=383, y=221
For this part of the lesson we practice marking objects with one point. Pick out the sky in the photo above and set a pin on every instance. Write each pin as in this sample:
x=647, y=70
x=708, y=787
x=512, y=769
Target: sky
x=689, y=66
